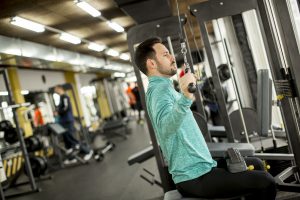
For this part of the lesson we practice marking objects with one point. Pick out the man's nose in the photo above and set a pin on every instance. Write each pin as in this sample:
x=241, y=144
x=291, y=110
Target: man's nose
x=172, y=58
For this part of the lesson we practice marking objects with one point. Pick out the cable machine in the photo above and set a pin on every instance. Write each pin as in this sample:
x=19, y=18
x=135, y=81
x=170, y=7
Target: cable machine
x=20, y=137
x=216, y=9
x=286, y=59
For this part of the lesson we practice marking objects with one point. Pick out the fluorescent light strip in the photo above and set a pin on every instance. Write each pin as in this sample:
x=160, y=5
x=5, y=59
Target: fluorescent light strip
x=70, y=38
x=88, y=8
x=129, y=70
x=24, y=23
x=112, y=52
x=114, y=67
x=5, y=93
x=24, y=92
x=115, y=26
x=107, y=66
x=131, y=79
x=96, y=47
x=124, y=56
x=119, y=74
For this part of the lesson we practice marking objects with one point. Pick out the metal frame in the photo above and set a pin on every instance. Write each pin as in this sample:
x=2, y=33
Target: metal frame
x=210, y=10
x=162, y=28
x=290, y=41
x=2, y=197
x=289, y=106
x=214, y=9
x=28, y=169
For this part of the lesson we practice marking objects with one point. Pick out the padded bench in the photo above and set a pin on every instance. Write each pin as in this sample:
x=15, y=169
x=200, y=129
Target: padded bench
x=112, y=126
x=217, y=150
x=141, y=156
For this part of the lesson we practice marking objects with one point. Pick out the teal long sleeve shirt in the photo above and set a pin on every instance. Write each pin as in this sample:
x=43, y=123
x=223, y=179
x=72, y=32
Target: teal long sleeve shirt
x=178, y=134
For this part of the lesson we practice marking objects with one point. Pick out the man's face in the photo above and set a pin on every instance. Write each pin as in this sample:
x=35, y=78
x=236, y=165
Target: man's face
x=58, y=90
x=165, y=61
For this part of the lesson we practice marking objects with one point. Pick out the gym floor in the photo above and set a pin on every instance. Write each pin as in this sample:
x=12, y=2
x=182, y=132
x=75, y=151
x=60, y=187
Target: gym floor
x=111, y=179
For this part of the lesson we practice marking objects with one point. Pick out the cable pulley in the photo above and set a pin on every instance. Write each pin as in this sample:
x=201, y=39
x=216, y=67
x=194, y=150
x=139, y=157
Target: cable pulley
x=191, y=86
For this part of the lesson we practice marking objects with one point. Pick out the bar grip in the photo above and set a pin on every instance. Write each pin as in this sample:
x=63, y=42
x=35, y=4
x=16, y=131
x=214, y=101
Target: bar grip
x=191, y=86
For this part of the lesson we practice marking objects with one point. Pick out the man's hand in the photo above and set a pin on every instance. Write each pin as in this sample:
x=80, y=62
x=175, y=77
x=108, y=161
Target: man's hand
x=184, y=81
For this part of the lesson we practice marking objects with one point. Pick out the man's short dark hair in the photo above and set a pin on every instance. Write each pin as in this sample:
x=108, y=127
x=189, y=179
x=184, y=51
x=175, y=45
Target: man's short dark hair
x=144, y=51
x=60, y=86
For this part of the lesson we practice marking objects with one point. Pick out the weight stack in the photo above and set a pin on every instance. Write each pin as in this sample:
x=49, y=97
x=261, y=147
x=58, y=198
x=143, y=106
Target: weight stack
x=277, y=166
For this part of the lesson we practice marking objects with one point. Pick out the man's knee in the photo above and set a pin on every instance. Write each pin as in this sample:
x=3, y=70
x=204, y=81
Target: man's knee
x=267, y=183
x=264, y=187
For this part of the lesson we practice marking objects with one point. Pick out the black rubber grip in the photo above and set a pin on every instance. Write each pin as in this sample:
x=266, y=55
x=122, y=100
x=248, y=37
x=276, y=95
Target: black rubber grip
x=192, y=88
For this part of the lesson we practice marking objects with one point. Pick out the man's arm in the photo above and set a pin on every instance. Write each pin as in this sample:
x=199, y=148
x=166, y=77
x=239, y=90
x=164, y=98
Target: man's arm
x=169, y=114
x=63, y=108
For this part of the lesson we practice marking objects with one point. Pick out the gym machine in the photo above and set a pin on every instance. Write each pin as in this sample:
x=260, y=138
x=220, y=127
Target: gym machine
x=116, y=124
x=20, y=137
x=286, y=75
x=286, y=80
x=57, y=130
x=83, y=132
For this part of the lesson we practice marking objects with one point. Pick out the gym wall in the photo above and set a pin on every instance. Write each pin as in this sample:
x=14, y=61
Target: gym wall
x=32, y=80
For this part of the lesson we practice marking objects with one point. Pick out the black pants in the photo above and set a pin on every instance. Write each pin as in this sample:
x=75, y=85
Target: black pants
x=69, y=139
x=220, y=183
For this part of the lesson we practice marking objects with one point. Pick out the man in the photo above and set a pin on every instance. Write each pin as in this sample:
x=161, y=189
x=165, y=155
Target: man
x=38, y=117
x=193, y=170
x=131, y=98
x=138, y=104
x=66, y=119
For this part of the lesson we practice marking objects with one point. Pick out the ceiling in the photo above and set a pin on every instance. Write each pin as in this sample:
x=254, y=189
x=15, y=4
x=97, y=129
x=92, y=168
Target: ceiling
x=65, y=16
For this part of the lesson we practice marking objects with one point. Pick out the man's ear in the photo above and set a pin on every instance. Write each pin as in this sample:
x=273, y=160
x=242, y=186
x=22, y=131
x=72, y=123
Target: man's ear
x=151, y=63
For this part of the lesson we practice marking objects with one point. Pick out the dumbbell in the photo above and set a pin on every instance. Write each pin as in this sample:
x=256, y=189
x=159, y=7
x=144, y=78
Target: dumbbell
x=39, y=165
x=33, y=143
x=10, y=133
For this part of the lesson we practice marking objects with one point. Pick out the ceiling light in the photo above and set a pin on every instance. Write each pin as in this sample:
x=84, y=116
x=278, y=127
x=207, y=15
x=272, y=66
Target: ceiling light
x=131, y=79
x=70, y=38
x=129, y=70
x=112, y=67
x=115, y=26
x=88, y=8
x=124, y=56
x=119, y=74
x=107, y=66
x=24, y=23
x=112, y=52
x=96, y=47
x=13, y=51
x=24, y=92
x=3, y=93
x=117, y=68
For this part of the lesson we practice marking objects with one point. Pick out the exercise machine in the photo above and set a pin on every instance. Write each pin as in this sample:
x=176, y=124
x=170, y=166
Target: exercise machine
x=21, y=142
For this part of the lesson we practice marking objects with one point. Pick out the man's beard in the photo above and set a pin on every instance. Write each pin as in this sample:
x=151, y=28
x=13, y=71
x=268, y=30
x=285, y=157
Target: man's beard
x=170, y=72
